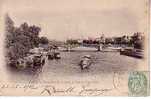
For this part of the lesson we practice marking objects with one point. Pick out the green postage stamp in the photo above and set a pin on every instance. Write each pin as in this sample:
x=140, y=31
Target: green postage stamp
x=138, y=83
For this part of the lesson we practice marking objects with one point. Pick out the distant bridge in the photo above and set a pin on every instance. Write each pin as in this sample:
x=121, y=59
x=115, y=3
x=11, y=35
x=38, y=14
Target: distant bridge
x=69, y=47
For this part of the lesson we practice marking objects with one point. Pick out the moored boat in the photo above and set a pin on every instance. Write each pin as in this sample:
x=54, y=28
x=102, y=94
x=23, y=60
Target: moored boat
x=138, y=53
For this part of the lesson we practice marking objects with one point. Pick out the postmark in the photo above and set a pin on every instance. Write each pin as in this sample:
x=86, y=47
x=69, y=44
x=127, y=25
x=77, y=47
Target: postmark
x=137, y=84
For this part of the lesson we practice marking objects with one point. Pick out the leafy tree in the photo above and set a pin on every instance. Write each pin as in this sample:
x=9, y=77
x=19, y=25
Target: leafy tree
x=19, y=40
x=44, y=40
x=138, y=40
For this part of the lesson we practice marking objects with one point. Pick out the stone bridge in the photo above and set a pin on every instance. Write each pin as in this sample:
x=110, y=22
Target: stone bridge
x=98, y=47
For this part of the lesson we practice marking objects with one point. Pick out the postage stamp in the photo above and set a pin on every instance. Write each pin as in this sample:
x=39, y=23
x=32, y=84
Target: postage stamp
x=138, y=83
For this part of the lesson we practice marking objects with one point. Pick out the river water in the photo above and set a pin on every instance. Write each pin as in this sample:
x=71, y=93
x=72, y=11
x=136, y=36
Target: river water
x=67, y=66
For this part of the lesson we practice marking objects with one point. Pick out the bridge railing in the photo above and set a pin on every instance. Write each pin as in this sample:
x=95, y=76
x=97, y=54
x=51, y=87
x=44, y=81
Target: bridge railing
x=71, y=46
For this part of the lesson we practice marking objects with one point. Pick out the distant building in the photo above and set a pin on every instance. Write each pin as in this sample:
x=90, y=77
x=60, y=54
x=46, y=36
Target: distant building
x=101, y=39
x=79, y=41
x=109, y=40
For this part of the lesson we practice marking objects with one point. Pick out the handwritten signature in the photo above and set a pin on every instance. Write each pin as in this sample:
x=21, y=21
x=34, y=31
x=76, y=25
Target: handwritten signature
x=83, y=90
x=92, y=91
x=53, y=90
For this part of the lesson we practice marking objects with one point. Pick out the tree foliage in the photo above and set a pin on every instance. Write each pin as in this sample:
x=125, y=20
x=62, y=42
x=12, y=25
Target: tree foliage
x=44, y=40
x=19, y=40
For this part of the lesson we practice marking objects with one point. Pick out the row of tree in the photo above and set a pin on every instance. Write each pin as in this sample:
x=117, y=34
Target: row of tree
x=136, y=40
x=19, y=40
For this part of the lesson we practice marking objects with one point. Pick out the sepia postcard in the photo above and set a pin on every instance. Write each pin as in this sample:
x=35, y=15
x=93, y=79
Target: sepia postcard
x=74, y=48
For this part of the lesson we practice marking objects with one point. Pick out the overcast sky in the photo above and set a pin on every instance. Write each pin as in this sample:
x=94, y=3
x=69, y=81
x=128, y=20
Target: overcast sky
x=62, y=19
